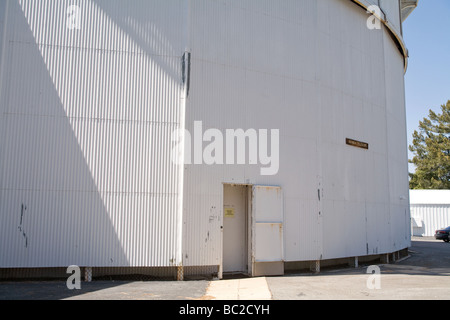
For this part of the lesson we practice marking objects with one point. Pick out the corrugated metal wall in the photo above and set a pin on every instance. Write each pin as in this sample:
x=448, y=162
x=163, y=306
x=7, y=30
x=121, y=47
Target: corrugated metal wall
x=242, y=66
x=87, y=118
x=315, y=71
x=393, y=15
x=390, y=11
x=429, y=218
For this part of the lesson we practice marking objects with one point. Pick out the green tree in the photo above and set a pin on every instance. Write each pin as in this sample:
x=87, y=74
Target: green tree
x=431, y=149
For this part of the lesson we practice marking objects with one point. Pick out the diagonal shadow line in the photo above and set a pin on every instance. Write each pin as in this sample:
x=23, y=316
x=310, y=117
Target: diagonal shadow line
x=58, y=142
x=150, y=40
x=147, y=47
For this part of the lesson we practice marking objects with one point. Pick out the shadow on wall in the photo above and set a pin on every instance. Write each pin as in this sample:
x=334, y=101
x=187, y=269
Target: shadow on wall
x=141, y=26
x=53, y=212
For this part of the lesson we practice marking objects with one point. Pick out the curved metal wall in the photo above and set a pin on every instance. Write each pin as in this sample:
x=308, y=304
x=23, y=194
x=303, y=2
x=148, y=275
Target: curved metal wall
x=87, y=116
x=87, y=113
x=315, y=71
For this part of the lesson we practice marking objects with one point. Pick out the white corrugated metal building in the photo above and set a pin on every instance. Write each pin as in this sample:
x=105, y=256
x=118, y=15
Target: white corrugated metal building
x=91, y=92
x=430, y=211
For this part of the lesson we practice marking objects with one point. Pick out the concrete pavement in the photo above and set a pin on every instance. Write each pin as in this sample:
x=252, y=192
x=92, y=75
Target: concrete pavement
x=425, y=275
x=239, y=289
x=104, y=290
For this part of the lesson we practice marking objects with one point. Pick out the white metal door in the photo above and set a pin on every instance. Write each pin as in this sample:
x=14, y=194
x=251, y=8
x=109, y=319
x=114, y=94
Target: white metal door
x=267, y=213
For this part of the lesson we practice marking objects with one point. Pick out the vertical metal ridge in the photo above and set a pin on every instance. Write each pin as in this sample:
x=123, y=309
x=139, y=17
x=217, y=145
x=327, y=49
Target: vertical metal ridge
x=112, y=105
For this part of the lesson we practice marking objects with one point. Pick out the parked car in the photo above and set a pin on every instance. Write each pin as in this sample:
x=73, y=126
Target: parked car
x=443, y=234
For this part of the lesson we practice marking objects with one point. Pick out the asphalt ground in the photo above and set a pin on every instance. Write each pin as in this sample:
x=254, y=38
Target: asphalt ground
x=424, y=275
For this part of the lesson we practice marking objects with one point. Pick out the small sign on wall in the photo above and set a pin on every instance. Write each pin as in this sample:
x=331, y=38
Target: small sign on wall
x=357, y=144
x=229, y=212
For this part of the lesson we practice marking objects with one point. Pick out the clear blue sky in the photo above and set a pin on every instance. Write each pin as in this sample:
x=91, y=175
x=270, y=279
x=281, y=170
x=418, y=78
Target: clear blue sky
x=427, y=36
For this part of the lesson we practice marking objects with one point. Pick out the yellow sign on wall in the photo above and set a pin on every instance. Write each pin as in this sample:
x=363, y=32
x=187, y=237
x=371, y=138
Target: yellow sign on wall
x=229, y=212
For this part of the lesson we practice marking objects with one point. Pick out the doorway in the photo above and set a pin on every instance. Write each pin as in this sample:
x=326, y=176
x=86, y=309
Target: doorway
x=236, y=208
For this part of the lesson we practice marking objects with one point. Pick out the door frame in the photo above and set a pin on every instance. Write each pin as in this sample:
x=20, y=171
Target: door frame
x=249, y=226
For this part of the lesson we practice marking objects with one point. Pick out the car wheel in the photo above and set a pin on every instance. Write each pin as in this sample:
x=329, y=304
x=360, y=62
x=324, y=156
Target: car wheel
x=446, y=240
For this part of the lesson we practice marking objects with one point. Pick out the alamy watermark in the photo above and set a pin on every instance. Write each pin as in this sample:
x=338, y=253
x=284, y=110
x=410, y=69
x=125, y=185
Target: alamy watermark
x=232, y=146
x=374, y=22
x=74, y=280
x=73, y=21
x=374, y=280
x=228, y=147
